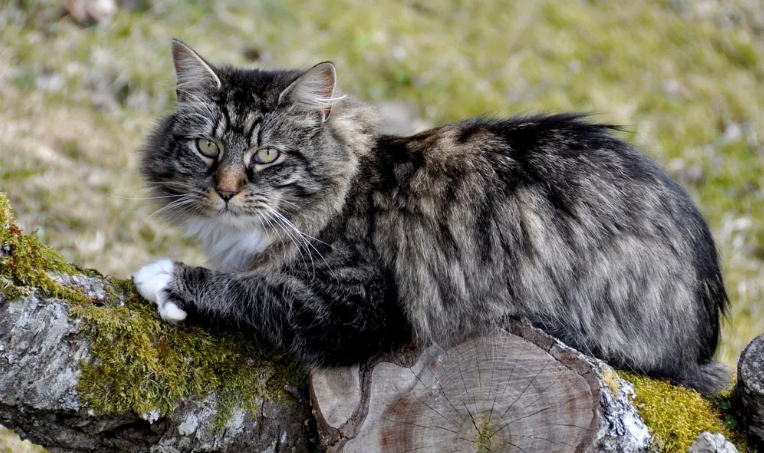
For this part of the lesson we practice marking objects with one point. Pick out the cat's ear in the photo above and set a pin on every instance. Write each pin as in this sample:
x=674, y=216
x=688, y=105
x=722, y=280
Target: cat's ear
x=314, y=90
x=194, y=74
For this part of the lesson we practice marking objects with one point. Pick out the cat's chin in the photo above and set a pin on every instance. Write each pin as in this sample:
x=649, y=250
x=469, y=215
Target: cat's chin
x=229, y=241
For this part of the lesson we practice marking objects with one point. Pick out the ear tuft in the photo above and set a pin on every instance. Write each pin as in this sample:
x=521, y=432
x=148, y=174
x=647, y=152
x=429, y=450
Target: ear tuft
x=194, y=74
x=314, y=90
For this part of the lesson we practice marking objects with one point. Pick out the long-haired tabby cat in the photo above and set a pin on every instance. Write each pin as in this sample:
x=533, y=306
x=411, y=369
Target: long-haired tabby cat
x=333, y=242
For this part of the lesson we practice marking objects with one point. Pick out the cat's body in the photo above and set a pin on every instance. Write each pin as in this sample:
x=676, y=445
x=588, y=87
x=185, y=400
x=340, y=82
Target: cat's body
x=546, y=218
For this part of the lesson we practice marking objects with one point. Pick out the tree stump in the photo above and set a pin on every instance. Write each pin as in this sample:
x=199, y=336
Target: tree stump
x=750, y=389
x=511, y=390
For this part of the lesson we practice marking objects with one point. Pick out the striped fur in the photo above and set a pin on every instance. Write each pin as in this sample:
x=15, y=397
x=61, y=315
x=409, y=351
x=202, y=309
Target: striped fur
x=352, y=242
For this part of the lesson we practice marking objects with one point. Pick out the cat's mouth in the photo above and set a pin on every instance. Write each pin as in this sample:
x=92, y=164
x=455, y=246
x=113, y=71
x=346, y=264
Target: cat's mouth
x=228, y=210
x=221, y=207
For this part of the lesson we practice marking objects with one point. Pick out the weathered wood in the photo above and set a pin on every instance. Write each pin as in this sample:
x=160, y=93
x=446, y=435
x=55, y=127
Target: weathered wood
x=337, y=392
x=750, y=389
x=513, y=390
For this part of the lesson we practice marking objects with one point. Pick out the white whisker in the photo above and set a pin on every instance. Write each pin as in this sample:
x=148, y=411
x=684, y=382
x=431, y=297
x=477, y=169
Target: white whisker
x=305, y=239
x=186, y=200
x=149, y=198
x=274, y=215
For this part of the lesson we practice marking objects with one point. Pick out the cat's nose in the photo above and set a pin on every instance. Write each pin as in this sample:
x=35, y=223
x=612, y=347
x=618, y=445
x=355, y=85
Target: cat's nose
x=226, y=194
x=228, y=183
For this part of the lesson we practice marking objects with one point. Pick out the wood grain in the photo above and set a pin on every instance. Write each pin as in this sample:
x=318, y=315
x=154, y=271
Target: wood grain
x=497, y=392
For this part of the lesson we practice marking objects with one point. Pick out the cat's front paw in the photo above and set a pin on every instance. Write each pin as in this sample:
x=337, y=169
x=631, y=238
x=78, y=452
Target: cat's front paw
x=153, y=283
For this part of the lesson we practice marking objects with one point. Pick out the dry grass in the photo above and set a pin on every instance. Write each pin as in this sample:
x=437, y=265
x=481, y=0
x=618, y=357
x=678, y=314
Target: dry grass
x=684, y=76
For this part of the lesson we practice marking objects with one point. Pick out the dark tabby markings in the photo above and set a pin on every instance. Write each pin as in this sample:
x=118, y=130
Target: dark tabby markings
x=372, y=241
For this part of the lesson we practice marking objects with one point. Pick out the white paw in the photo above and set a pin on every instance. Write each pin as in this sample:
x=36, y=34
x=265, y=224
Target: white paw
x=153, y=278
x=171, y=312
x=151, y=281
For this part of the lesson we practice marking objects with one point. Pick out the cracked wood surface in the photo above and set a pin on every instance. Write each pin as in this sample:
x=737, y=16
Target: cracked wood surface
x=511, y=390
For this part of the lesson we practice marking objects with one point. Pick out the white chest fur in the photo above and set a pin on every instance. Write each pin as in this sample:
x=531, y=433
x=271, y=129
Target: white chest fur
x=228, y=246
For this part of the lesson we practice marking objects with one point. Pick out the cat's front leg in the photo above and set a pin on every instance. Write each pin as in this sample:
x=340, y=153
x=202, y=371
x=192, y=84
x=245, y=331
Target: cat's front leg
x=338, y=311
x=155, y=283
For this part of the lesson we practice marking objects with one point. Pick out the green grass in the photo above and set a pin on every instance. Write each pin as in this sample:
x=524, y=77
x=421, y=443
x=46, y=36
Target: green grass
x=683, y=76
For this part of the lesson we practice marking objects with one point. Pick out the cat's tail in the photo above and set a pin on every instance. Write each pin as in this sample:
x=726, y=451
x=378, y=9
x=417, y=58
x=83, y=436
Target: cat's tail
x=707, y=378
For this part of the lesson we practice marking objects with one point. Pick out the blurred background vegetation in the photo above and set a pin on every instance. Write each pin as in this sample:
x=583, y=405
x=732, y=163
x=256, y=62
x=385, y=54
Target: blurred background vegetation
x=80, y=88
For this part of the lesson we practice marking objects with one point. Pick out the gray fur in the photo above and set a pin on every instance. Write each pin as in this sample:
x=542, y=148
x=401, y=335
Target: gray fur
x=356, y=242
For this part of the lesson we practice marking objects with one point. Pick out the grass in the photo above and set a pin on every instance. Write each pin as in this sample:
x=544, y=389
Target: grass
x=683, y=76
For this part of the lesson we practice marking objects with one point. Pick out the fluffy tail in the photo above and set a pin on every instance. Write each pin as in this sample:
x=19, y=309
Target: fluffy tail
x=707, y=378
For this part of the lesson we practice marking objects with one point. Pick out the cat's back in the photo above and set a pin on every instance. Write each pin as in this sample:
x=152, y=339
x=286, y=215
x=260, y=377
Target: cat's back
x=557, y=180
x=550, y=218
x=565, y=159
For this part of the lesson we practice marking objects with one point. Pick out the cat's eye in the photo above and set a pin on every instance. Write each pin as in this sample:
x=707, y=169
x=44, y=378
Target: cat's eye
x=266, y=156
x=207, y=148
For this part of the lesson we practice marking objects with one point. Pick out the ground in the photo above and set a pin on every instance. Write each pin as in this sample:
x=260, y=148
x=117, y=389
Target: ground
x=684, y=77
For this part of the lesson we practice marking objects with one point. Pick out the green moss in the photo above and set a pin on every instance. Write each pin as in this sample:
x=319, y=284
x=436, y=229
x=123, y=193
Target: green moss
x=142, y=364
x=139, y=363
x=487, y=439
x=26, y=263
x=676, y=416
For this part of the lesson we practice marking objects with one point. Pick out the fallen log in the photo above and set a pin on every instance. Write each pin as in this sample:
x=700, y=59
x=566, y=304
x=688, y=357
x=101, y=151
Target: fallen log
x=42, y=351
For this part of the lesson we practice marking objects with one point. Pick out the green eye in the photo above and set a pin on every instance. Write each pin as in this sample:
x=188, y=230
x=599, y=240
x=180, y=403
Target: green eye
x=207, y=148
x=266, y=156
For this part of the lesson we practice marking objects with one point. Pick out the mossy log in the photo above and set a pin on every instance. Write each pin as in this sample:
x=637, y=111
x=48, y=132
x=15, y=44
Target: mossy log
x=513, y=390
x=550, y=397
x=86, y=365
x=43, y=350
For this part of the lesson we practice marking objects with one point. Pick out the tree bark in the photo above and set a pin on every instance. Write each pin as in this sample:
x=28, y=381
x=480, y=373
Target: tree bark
x=750, y=390
x=512, y=390
x=41, y=347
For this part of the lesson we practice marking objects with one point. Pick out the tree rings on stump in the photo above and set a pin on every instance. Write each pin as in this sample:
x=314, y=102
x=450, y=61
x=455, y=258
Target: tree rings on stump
x=513, y=390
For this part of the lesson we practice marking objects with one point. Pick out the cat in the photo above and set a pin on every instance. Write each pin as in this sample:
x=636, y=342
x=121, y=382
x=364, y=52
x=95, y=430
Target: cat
x=332, y=242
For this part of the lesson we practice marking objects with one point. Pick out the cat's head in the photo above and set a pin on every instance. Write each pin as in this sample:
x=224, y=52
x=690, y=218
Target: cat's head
x=246, y=147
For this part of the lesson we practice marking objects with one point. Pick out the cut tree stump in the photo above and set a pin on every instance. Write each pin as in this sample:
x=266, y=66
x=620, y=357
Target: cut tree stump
x=513, y=390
